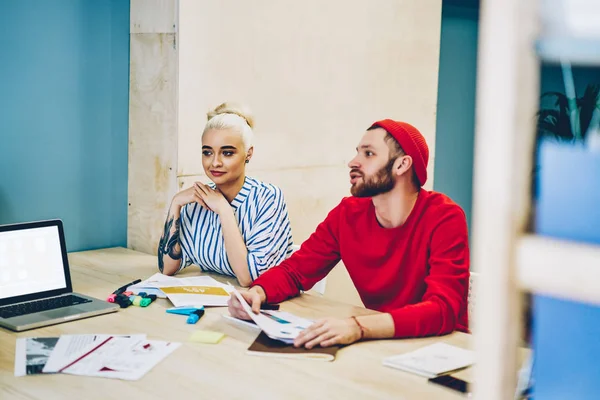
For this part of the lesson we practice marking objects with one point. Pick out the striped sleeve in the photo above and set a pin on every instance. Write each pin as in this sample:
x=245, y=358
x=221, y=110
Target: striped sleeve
x=271, y=234
x=185, y=236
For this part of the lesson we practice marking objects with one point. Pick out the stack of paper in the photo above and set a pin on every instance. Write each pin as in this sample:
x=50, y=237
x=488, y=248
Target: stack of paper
x=433, y=360
x=121, y=357
x=278, y=325
x=193, y=291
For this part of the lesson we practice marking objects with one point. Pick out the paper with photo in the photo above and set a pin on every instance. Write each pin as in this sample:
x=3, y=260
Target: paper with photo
x=31, y=354
x=69, y=347
x=279, y=325
x=120, y=358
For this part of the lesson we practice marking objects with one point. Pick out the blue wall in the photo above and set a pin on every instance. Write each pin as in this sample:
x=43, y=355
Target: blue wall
x=64, y=79
x=453, y=173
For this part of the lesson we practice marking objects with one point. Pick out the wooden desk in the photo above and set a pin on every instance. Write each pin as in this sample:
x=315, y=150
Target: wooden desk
x=221, y=371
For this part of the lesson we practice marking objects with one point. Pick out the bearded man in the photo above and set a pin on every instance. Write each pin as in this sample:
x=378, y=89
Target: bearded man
x=405, y=248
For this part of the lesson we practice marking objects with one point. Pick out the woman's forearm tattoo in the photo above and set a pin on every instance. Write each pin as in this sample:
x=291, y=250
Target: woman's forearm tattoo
x=168, y=242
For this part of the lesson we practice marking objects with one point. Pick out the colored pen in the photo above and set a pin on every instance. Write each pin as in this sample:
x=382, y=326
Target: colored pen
x=140, y=301
x=195, y=316
x=124, y=287
x=184, y=310
x=266, y=306
x=113, y=296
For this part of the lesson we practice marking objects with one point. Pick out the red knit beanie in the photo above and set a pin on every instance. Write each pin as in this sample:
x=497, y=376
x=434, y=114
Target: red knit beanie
x=411, y=141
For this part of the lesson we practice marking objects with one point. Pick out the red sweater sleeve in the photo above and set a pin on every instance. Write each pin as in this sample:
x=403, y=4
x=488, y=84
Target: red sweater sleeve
x=447, y=282
x=307, y=266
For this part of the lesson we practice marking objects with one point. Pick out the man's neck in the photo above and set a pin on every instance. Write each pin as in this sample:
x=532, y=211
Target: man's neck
x=231, y=190
x=393, y=208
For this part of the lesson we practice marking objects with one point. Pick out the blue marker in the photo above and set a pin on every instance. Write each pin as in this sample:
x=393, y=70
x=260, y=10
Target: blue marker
x=195, y=316
x=184, y=310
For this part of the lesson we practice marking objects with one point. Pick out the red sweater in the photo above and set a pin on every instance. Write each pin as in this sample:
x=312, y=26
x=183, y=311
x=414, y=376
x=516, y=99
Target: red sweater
x=418, y=272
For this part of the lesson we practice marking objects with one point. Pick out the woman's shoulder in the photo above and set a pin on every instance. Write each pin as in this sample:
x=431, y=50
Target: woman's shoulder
x=263, y=188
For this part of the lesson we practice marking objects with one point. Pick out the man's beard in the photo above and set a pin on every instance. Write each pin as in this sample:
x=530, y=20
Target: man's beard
x=381, y=183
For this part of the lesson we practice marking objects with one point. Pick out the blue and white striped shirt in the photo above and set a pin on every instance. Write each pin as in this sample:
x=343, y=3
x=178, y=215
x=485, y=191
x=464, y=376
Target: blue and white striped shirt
x=262, y=217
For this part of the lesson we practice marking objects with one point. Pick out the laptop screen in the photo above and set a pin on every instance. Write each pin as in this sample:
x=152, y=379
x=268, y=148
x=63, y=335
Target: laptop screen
x=30, y=261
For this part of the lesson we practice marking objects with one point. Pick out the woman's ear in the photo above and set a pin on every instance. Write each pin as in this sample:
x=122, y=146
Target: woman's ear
x=249, y=154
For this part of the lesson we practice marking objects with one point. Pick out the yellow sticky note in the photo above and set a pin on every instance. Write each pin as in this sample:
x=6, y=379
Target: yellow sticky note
x=206, y=337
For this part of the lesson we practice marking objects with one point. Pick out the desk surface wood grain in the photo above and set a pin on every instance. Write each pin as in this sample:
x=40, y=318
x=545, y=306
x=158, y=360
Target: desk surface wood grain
x=221, y=371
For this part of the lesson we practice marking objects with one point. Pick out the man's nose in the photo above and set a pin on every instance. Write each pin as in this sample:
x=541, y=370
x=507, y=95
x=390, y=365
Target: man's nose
x=354, y=163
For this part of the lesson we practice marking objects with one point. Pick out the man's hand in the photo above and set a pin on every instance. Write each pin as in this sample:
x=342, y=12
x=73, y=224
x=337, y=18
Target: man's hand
x=212, y=198
x=255, y=297
x=328, y=332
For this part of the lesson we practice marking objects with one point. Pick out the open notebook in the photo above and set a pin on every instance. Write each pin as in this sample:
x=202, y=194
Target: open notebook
x=265, y=346
x=433, y=360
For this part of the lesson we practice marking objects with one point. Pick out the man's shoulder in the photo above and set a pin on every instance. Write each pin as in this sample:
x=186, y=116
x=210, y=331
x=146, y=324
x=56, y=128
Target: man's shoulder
x=440, y=210
x=438, y=203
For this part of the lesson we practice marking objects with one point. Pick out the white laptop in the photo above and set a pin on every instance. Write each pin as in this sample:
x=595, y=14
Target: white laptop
x=35, y=283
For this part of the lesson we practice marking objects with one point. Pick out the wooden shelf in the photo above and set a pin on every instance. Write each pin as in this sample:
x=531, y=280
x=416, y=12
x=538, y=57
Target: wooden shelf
x=559, y=268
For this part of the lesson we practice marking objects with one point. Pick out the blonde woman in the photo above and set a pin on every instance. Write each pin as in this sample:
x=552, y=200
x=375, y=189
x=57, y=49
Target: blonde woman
x=236, y=225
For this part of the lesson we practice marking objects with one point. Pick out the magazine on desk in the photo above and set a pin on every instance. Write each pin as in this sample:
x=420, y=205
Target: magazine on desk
x=32, y=354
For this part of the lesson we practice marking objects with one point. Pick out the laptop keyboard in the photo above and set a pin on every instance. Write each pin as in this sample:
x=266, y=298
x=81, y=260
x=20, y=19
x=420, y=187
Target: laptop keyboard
x=41, y=305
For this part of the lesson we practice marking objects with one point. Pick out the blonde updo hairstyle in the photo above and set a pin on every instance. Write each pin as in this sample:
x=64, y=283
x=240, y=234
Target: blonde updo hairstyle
x=234, y=117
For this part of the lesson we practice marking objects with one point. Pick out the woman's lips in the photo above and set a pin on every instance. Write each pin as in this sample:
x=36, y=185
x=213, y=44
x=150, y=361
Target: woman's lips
x=217, y=173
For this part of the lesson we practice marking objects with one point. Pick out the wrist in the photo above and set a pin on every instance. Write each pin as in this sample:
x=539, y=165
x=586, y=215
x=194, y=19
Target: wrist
x=224, y=210
x=360, y=329
x=261, y=293
x=176, y=204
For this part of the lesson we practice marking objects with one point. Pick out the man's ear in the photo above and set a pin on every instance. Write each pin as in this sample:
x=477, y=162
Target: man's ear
x=402, y=165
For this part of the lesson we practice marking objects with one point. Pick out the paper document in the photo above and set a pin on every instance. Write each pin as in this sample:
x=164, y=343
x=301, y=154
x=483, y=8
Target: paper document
x=278, y=325
x=207, y=296
x=433, y=360
x=119, y=357
x=158, y=281
x=31, y=354
x=241, y=322
x=70, y=347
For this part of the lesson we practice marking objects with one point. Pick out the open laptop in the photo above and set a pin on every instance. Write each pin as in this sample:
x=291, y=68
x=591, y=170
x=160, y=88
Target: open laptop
x=35, y=283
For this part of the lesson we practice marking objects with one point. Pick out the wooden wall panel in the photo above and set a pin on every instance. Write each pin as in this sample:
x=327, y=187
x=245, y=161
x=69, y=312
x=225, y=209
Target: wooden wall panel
x=152, y=137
